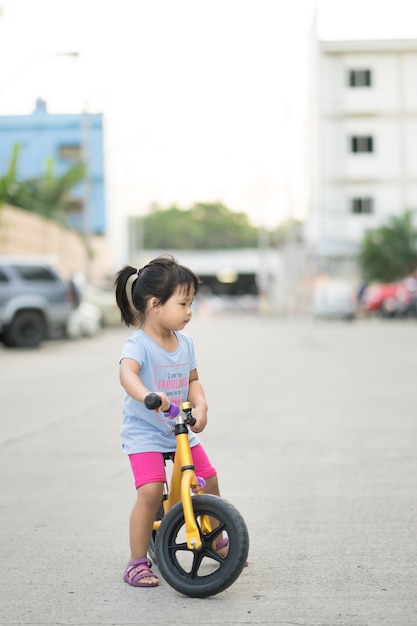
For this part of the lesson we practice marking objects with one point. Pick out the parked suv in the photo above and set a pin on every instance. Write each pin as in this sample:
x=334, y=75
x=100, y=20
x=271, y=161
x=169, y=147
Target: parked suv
x=35, y=303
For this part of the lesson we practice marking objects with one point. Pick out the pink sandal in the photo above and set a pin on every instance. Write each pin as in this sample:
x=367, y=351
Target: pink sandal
x=223, y=543
x=138, y=569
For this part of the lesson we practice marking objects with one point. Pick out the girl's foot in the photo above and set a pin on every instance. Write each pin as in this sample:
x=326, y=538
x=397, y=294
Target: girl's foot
x=222, y=547
x=138, y=573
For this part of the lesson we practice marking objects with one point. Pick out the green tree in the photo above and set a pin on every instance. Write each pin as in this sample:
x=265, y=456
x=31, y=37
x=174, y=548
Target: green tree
x=289, y=231
x=203, y=226
x=47, y=195
x=8, y=182
x=389, y=253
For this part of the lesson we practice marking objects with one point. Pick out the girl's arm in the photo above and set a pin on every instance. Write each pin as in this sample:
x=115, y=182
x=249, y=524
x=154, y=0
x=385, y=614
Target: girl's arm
x=198, y=400
x=129, y=378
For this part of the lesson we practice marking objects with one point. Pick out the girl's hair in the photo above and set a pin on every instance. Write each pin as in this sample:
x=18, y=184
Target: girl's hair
x=158, y=279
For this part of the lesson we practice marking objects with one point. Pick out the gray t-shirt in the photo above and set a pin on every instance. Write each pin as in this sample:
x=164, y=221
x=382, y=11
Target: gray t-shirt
x=143, y=430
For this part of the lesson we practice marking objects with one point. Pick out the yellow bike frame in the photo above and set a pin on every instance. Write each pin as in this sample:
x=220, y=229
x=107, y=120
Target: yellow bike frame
x=183, y=481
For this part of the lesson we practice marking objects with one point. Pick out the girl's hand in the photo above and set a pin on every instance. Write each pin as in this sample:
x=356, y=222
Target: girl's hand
x=200, y=415
x=165, y=402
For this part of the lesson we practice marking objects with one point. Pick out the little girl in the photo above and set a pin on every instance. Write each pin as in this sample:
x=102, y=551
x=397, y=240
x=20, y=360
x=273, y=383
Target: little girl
x=158, y=358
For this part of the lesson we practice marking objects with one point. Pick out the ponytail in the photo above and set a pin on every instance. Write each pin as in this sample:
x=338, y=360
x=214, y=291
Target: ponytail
x=125, y=279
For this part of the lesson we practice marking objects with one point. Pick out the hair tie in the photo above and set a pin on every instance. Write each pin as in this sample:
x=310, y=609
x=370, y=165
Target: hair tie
x=129, y=286
x=139, y=271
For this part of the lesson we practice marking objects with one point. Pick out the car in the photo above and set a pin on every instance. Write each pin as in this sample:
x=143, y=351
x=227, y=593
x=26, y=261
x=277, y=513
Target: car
x=395, y=299
x=84, y=321
x=333, y=298
x=105, y=300
x=35, y=302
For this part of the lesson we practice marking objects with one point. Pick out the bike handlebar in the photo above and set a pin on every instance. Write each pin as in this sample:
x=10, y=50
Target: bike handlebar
x=153, y=402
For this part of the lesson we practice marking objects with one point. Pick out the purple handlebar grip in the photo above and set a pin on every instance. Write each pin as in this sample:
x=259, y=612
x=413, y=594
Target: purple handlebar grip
x=174, y=409
x=153, y=402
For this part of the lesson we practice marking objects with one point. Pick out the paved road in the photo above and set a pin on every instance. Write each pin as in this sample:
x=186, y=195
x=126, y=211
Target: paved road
x=313, y=428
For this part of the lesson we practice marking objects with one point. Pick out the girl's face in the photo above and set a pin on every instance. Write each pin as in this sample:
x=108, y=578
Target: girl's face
x=176, y=312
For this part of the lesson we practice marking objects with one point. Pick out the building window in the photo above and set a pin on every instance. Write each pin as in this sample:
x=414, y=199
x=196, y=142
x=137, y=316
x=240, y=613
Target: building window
x=362, y=206
x=70, y=152
x=359, y=78
x=363, y=143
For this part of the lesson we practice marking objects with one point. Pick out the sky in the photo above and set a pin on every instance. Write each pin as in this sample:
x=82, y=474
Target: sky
x=202, y=101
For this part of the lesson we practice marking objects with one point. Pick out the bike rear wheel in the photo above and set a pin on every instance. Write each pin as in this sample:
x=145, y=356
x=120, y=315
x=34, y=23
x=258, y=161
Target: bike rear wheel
x=204, y=572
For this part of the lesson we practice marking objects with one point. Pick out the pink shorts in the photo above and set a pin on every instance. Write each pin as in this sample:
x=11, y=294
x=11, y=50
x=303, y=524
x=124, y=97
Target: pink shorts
x=149, y=467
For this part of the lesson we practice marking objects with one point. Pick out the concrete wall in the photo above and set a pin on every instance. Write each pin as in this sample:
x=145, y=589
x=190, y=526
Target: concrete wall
x=27, y=234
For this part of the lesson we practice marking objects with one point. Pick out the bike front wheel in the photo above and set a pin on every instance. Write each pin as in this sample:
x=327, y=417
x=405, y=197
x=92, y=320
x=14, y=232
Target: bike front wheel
x=204, y=572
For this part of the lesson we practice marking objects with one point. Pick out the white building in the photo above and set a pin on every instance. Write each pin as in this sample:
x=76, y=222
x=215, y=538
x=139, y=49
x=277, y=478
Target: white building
x=364, y=144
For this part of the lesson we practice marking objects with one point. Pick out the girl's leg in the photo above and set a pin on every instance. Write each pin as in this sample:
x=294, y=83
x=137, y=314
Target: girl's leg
x=143, y=515
x=149, y=473
x=212, y=486
x=204, y=468
x=142, y=518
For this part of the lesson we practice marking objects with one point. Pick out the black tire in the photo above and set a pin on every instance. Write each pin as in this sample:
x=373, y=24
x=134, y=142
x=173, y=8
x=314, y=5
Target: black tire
x=151, y=546
x=27, y=330
x=202, y=573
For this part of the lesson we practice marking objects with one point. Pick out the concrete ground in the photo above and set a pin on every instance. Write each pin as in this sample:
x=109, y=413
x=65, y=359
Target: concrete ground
x=313, y=429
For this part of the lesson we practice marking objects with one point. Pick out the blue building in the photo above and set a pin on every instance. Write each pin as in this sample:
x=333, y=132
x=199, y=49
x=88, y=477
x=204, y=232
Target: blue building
x=65, y=138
